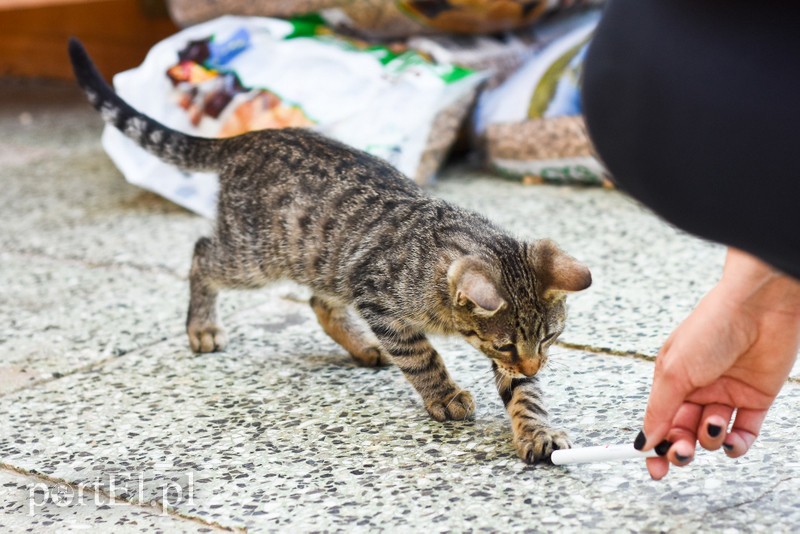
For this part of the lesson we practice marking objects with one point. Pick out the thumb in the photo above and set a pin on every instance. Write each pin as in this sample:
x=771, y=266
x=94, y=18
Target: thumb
x=670, y=389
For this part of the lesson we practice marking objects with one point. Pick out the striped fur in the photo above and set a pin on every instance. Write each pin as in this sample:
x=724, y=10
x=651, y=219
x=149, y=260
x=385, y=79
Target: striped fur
x=533, y=437
x=387, y=263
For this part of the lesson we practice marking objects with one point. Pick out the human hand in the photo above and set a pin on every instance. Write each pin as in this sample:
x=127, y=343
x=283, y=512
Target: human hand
x=734, y=351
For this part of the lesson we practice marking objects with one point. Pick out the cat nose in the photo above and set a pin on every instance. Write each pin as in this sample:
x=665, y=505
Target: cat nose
x=529, y=366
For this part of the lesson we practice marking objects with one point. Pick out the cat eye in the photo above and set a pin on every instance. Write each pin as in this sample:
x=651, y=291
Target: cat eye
x=507, y=348
x=549, y=337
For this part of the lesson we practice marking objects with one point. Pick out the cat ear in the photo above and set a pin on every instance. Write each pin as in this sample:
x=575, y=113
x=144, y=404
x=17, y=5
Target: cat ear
x=471, y=281
x=560, y=272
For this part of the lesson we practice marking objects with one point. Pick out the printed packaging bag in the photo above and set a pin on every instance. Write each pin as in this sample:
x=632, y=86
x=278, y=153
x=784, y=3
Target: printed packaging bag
x=403, y=18
x=389, y=19
x=531, y=125
x=236, y=74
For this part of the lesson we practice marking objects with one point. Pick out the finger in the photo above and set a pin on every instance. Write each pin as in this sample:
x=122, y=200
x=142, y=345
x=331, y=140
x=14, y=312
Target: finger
x=712, y=430
x=658, y=467
x=670, y=388
x=682, y=431
x=686, y=420
x=744, y=432
x=682, y=451
x=682, y=434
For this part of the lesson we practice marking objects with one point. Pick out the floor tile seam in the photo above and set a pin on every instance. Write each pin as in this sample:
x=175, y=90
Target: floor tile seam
x=596, y=495
x=75, y=260
x=752, y=500
x=106, y=357
x=632, y=354
x=51, y=154
x=701, y=518
x=153, y=506
x=640, y=356
x=34, y=253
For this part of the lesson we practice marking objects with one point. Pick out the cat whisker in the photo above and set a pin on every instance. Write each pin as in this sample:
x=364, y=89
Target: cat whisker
x=566, y=351
x=491, y=377
x=558, y=370
x=471, y=407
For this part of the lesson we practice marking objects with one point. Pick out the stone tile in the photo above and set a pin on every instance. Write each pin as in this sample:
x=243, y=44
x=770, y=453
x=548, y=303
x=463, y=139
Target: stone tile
x=90, y=213
x=61, y=315
x=284, y=432
x=34, y=505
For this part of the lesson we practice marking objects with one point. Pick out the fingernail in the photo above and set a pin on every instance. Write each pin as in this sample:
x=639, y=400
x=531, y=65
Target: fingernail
x=714, y=430
x=663, y=447
x=682, y=459
x=728, y=447
x=640, y=440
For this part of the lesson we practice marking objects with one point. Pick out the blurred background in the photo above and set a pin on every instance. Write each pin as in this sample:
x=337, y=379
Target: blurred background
x=415, y=82
x=120, y=32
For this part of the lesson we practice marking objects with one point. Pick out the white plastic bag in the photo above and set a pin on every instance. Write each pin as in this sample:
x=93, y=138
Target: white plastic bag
x=369, y=97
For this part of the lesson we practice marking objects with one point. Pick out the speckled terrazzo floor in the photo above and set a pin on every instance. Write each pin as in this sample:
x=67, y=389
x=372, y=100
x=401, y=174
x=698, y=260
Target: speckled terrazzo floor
x=108, y=421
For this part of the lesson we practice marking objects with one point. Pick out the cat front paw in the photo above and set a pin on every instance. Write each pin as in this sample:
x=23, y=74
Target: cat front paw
x=457, y=407
x=537, y=444
x=371, y=357
x=206, y=337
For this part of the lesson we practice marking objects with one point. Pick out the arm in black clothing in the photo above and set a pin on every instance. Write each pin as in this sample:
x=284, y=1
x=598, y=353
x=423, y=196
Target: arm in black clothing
x=692, y=106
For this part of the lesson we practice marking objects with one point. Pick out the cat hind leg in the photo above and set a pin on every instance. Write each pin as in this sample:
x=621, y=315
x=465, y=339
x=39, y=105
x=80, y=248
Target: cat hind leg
x=346, y=329
x=205, y=333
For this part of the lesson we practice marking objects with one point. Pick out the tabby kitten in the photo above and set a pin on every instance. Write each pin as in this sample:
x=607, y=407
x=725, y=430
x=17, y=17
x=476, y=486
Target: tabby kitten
x=387, y=264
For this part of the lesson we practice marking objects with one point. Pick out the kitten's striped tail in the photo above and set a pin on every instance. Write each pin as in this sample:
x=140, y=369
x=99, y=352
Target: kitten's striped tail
x=182, y=150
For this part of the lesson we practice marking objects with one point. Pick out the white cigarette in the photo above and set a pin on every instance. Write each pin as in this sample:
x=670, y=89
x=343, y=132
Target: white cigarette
x=604, y=453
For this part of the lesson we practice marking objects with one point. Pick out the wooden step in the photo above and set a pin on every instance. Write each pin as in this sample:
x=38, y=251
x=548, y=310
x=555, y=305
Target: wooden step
x=118, y=34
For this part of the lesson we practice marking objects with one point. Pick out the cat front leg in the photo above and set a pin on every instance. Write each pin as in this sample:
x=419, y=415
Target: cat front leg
x=534, y=438
x=411, y=351
x=424, y=368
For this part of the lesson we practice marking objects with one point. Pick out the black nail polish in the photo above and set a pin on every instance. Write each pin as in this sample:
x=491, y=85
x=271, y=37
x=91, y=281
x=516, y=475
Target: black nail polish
x=640, y=440
x=682, y=459
x=728, y=447
x=714, y=430
x=663, y=447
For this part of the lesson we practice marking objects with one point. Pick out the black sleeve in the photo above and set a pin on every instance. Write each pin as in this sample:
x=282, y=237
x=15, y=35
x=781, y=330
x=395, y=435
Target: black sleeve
x=694, y=107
